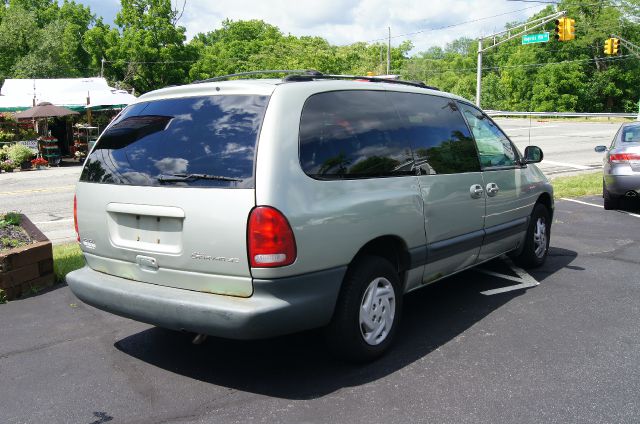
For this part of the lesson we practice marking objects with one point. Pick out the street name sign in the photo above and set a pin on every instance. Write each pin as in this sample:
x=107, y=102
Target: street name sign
x=543, y=37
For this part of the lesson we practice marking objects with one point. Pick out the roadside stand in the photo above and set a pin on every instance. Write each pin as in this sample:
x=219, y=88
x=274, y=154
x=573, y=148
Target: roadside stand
x=48, y=147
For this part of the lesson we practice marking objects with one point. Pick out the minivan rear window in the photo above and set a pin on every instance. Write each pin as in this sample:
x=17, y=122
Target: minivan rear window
x=206, y=141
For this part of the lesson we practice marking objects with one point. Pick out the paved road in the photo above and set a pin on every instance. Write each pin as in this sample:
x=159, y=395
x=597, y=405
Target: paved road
x=47, y=196
x=566, y=350
x=567, y=146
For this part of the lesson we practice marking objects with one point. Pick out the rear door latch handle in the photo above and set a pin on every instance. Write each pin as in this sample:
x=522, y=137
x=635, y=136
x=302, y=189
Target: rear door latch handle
x=492, y=189
x=476, y=191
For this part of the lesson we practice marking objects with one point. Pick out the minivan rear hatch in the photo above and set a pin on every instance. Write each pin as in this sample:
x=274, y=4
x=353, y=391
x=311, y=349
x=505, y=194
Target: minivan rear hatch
x=164, y=196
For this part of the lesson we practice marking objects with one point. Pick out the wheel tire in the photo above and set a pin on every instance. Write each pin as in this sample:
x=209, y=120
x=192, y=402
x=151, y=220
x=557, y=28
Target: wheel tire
x=611, y=202
x=536, y=245
x=369, y=280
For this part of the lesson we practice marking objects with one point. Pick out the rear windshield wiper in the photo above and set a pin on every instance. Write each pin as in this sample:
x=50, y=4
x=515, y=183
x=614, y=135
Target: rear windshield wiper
x=176, y=178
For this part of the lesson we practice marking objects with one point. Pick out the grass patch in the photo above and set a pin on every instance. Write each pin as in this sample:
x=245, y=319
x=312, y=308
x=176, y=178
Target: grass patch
x=66, y=258
x=578, y=185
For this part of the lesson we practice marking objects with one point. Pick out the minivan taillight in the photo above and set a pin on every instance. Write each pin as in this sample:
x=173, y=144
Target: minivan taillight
x=75, y=216
x=623, y=157
x=270, y=239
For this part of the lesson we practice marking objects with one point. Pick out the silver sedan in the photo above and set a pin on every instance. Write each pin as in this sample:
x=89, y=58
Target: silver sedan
x=621, y=166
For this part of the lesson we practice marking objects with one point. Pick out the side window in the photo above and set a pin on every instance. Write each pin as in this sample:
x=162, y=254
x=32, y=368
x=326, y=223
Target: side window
x=352, y=134
x=437, y=132
x=494, y=147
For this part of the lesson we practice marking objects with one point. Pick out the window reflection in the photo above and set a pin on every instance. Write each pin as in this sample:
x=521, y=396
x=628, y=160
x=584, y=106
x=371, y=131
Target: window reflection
x=214, y=135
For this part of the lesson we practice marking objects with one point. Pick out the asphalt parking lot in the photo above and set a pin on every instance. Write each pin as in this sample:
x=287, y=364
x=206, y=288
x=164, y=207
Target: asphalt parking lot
x=560, y=345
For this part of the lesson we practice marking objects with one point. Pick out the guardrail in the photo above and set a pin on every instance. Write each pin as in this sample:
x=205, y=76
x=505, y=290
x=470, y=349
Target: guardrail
x=564, y=114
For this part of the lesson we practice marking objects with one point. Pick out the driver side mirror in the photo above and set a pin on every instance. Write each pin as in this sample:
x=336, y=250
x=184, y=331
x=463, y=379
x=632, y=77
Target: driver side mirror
x=601, y=149
x=533, y=154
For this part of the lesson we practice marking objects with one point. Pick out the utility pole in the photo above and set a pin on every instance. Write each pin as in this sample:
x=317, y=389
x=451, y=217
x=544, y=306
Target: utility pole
x=504, y=36
x=479, y=73
x=102, y=68
x=389, y=53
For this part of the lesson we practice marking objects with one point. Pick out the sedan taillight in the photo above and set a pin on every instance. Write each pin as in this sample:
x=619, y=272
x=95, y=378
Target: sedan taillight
x=623, y=157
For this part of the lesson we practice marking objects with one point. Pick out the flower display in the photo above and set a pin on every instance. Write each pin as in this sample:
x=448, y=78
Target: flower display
x=39, y=162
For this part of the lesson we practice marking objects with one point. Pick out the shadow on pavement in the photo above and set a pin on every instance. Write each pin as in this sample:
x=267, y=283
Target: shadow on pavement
x=299, y=366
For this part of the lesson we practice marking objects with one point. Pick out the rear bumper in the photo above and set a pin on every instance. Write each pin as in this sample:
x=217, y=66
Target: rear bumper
x=276, y=307
x=619, y=185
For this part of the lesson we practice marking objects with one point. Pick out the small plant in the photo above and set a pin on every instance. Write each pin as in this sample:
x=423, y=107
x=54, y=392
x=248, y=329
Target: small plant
x=7, y=165
x=10, y=243
x=39, y=162
x=10, y=218
x=3, y=297
x=19, y=153
x=4, y=153
x=6, y=136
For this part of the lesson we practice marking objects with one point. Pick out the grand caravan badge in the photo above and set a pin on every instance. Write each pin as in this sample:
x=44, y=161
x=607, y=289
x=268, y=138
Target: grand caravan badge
x=203, y=257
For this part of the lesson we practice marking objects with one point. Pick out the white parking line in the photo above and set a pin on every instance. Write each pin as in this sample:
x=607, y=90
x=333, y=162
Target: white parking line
x=526, y=281
x=635, y=215
x=568, y=165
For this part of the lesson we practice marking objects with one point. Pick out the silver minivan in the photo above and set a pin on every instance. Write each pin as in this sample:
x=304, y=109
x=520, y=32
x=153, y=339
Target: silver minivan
x=253, y=208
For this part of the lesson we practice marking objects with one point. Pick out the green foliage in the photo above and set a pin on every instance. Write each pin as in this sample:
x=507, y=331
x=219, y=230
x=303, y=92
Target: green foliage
x=10, y=218
x=147, y=49
x=9, y=243
x=18, y=153
x=554, y=76
x=3, y=297
x=66, y=258
x=579, y=185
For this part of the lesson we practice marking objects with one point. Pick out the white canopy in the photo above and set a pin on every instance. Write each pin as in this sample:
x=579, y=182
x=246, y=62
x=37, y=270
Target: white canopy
x=73, y=93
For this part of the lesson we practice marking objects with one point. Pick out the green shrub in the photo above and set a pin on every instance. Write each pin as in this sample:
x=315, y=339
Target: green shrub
x=10, y=218
x=19, y=153
x=4, y=153
x=6, y=136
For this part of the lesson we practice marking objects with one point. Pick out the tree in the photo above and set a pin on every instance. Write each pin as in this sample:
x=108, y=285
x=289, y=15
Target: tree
x=151, y=52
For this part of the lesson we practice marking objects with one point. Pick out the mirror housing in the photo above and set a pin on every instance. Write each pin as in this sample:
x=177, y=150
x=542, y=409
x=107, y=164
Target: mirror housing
x=532, y=154
x=601, y=149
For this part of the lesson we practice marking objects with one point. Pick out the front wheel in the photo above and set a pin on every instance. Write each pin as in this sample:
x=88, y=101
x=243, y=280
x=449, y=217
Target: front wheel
x=368, y=310
x=536, y=245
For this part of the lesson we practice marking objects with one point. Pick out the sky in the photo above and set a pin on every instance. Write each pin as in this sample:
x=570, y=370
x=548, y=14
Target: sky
x=347, y=21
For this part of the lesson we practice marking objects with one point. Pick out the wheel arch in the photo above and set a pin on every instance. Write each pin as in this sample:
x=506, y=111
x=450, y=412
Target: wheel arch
x=546, y=200
x=391, y=247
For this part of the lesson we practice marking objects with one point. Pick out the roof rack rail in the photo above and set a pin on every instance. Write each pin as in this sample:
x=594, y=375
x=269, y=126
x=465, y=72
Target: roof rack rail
x=312, y=74
x=270, y=71
x=318, y=76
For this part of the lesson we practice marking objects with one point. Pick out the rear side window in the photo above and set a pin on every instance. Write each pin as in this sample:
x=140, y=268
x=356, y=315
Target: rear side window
x=353, y=134
x=441, y=141
x=197, y=141
x=631, y=134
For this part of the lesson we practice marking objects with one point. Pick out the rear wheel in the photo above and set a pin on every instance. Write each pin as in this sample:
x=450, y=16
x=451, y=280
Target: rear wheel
x=536, y=245
x=368, y=310
x=610, y=201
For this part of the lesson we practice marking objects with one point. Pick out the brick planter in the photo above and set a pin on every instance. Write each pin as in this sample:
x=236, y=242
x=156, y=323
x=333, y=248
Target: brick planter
x=27, y=268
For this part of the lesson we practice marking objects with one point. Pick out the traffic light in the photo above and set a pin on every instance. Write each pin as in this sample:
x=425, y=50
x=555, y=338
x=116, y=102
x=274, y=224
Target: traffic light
x=608, y=46
x=615, y=46
x=560, y=29
x=570, y=29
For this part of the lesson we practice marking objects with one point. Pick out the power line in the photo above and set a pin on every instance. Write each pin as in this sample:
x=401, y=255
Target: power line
x=452, y=25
